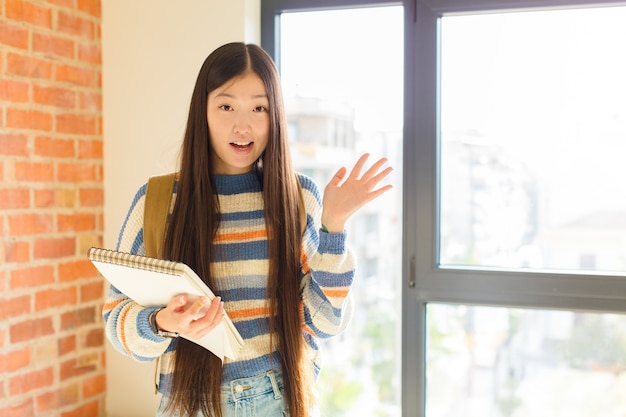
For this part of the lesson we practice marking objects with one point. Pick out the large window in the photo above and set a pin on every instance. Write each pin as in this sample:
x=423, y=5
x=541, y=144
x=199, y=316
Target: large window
x=340, y=103
x=532, y=128
x=533, y=134
x=513, y=260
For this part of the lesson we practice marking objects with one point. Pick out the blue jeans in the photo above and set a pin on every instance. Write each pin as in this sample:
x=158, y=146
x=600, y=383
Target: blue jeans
x=257, y=396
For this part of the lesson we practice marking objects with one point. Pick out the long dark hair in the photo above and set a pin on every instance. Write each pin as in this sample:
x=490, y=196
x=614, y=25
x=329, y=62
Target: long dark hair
x=189, y=238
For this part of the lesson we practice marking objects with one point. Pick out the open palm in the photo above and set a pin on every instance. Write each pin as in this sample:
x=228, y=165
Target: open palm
x=343, y=196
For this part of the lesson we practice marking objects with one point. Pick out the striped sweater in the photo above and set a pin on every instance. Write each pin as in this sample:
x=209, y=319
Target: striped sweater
x=240, y=276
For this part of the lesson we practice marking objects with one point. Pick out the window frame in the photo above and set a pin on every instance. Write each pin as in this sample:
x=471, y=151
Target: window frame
x=423, y=280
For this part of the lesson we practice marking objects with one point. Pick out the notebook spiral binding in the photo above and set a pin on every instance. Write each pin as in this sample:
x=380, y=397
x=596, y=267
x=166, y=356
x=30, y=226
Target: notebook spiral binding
x=135, y=261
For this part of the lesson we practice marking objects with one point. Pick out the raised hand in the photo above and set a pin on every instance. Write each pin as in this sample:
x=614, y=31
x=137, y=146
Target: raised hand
x=343, y=198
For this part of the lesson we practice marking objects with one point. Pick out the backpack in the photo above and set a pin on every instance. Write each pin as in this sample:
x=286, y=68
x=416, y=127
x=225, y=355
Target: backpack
x=156, y=211
x=157, y=207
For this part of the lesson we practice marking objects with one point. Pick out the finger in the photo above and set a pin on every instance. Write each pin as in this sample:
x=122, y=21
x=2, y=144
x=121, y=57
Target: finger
x=372, y=182
x=374, y=169
x=213, y=317
x=338, y=177
x=177, y=302
x=198, y=308
x=215, y=311
x=376, y=193
x=356, y=170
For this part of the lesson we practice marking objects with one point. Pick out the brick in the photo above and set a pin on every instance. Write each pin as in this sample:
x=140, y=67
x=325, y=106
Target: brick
x=13, y=35
x=54, y=96
x=98, y=34
x=78, y=318
x=28, y=66
x=44, y=198
x=76, y=124
x=31, y=329
x=76, y=172
x=13, y=361
x=54, y=297
x=77, y=222
x=66, y=344
x=90, y=53
x=30, y=224
x=71, y=74
x=92, y=358
x=14, y=144
x=75, y=367
x=75, y=25
x=65, y=197
x=54, y=248
x=14, y=198
x=31, y=277
x=34, y=171
x=24, y=11
x=94, y=338
x=14, y=91
x=91, y=197
x=91, y=409
x=17, y=251
x=68, y=4
x=86, y=241
x=69, y=394
x=29, y=119
x=100, y=222
x=23, y=409
x=14, y=307
x=47, y=402
x=46, y=352
x=75, y=270
x=60, y=198
x=90, y=101
x=53, y=45
x=31, y=381
x=94, y=385
x=92, y=291
x=90, y=7
x=53, y=401
x=90, y=149
x=54, y=148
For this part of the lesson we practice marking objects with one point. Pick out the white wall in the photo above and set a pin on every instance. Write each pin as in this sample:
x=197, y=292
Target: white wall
x=152, y=52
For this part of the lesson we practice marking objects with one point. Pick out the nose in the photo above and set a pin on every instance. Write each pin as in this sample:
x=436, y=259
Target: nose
x=242, y=123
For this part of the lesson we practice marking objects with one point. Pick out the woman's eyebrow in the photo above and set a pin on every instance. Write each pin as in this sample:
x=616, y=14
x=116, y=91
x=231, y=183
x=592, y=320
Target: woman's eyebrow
x=224, y=94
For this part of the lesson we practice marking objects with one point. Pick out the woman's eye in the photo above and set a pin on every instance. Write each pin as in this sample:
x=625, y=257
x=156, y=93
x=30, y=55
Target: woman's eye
x=226, y=107
x=260, y=109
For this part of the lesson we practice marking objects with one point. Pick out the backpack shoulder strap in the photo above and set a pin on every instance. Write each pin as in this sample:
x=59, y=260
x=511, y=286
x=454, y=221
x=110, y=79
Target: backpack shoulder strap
x=301, y=207
x=157, y=207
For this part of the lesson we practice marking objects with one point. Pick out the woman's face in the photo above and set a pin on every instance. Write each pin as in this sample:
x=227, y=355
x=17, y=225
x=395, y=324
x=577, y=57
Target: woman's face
x=239, y=123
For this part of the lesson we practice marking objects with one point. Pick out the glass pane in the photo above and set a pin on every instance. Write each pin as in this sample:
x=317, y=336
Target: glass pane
x=505, y=362
x=341, y=103
x=533, y=137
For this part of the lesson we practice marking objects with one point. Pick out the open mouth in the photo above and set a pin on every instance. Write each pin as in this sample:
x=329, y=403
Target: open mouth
x=241, y=145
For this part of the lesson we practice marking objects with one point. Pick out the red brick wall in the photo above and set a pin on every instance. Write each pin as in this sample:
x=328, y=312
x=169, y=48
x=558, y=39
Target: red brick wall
x=52, y=360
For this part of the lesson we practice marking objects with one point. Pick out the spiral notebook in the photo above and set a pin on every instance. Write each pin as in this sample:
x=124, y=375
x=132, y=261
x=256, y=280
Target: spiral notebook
x=153, y=282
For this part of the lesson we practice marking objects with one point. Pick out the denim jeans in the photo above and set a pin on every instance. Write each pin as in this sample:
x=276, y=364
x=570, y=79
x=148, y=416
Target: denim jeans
x=257, y=396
